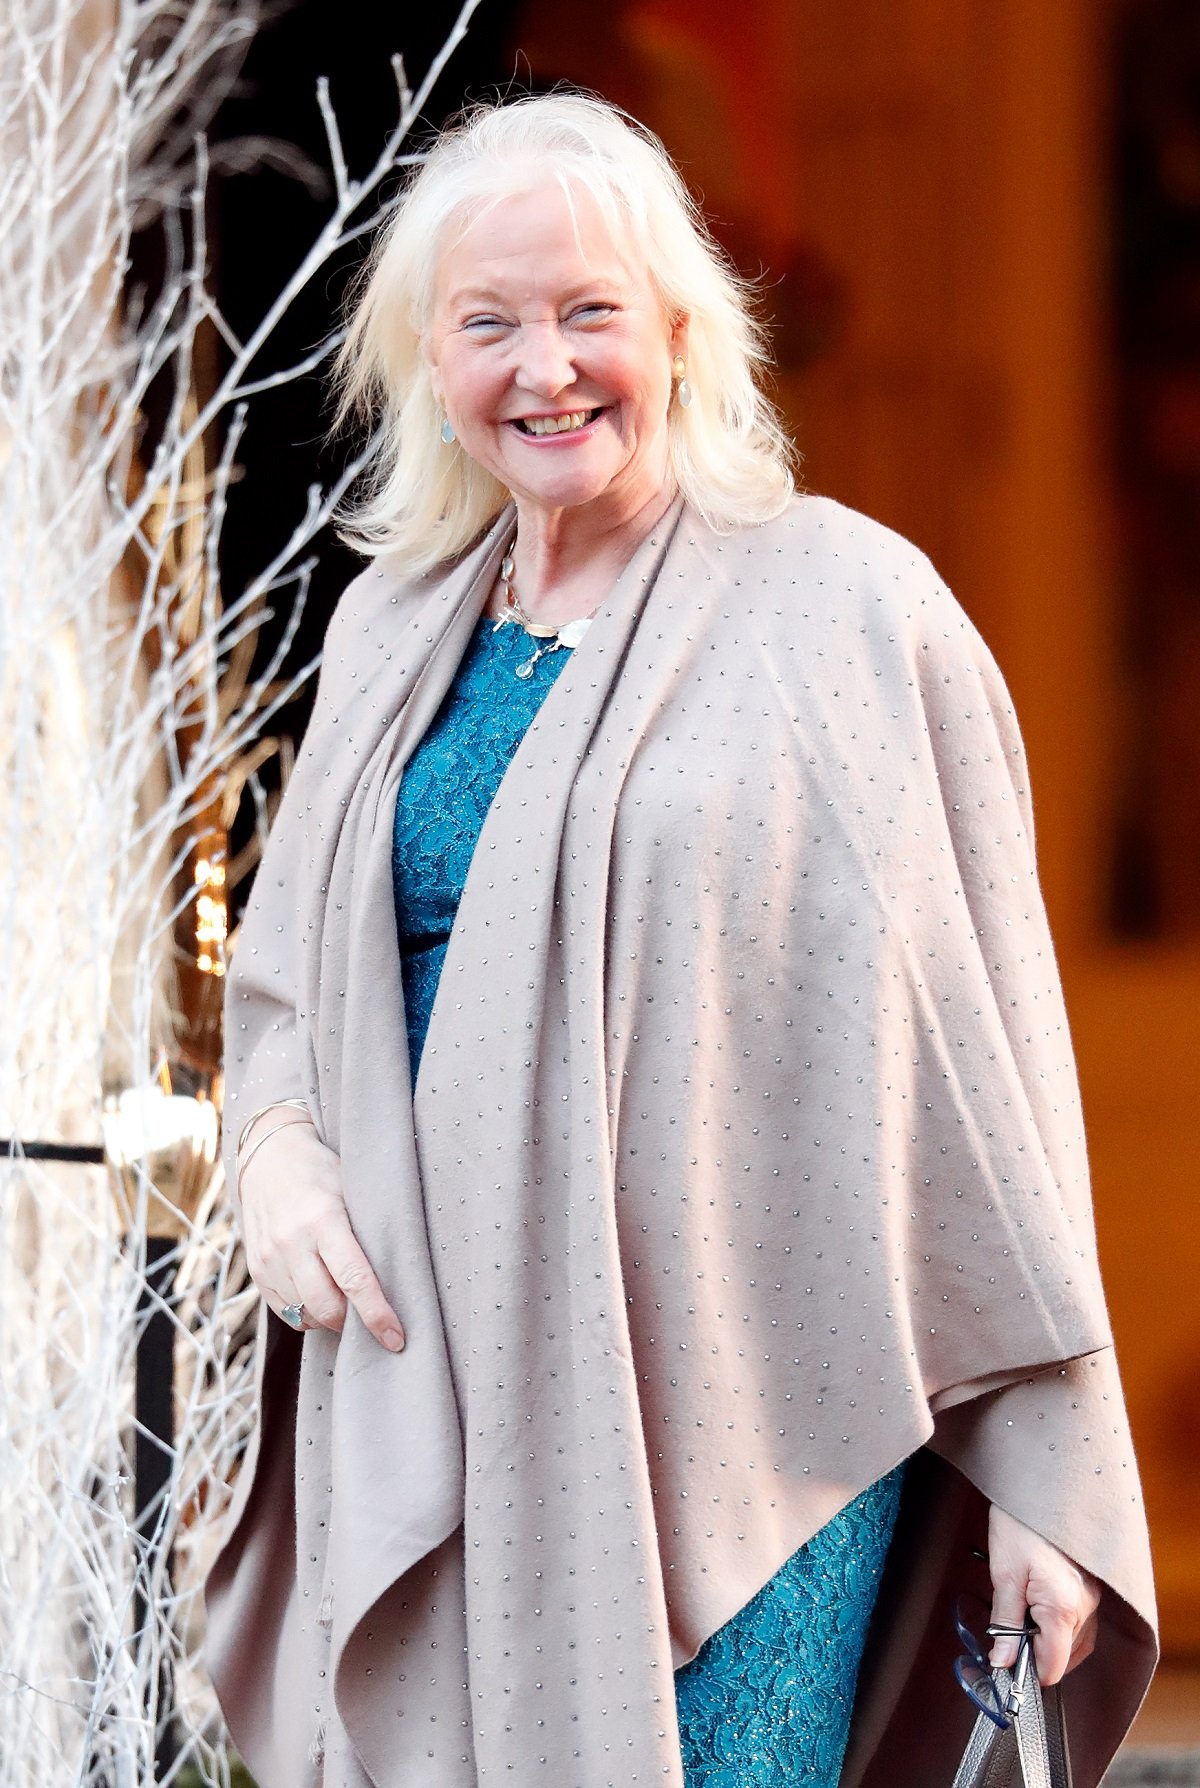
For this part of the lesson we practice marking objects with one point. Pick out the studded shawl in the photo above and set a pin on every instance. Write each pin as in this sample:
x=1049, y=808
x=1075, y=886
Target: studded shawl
x=744, y=1160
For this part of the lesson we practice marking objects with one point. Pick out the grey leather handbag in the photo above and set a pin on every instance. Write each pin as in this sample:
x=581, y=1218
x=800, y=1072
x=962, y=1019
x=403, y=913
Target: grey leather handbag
x=1030, y=1749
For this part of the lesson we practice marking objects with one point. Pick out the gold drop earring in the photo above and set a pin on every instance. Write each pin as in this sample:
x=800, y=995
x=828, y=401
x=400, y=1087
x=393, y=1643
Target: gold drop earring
x=683, y=390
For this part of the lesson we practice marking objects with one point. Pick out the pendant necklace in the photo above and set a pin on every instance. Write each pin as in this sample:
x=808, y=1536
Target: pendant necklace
x=569, y=634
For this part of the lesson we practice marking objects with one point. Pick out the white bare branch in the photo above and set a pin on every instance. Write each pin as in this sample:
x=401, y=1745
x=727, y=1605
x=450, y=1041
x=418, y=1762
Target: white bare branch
x=133, y=713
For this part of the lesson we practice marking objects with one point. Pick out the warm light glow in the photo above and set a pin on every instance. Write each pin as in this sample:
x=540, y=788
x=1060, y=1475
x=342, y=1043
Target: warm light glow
x=143, y=1123
x=212, y=918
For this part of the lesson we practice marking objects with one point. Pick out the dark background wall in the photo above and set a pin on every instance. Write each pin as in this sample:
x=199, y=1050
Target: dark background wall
x=264, y=219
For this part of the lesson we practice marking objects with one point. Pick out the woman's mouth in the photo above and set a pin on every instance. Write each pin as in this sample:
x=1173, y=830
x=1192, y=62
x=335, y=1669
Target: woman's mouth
x=569, y=422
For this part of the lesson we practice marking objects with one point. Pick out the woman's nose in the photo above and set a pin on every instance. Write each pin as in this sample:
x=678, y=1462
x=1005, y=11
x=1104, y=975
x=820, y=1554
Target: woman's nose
x=544, y=362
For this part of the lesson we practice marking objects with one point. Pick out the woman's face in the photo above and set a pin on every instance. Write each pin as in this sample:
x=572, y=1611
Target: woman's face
x=550, y=354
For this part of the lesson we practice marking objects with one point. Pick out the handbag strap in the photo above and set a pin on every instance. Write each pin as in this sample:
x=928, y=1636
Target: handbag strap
x=1042, y=1738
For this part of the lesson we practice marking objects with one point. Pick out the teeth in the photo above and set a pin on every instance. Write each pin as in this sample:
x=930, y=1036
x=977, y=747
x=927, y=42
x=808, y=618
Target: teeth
x=556, y=425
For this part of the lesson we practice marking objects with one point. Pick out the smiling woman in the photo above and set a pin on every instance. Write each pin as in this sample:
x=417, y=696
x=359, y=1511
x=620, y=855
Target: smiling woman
x=551, y=353
x=648, y=1078
x=632, y=261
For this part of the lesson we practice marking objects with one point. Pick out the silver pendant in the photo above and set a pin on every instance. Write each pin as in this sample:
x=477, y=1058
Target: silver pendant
x=573, y=632
x=568, y=635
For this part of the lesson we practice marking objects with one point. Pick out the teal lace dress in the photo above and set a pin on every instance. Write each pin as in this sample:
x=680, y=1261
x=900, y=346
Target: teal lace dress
x=766, y=1702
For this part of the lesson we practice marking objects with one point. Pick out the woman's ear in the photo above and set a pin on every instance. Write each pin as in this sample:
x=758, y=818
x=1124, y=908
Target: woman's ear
x=435, y=381
x=679, y=335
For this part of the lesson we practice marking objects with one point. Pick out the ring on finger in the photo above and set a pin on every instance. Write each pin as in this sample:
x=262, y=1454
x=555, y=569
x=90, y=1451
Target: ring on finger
x=293, y=1315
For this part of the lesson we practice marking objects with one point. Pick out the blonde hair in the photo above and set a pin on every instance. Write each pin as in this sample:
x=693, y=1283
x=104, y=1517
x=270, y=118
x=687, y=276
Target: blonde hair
x=728, y=452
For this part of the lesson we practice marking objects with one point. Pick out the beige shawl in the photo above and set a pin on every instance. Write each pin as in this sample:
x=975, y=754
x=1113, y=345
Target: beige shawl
x=744, y=1160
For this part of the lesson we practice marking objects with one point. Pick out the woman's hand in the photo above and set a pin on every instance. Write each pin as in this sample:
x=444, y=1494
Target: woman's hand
x=300, y=1247
x=1028, y=1572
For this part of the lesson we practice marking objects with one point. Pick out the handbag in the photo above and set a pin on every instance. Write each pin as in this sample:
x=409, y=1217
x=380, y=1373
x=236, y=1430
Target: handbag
x=1022, y=1742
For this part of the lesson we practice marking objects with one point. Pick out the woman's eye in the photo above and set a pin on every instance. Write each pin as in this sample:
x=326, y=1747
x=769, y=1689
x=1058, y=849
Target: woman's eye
x=587, y=312
x=484, y=323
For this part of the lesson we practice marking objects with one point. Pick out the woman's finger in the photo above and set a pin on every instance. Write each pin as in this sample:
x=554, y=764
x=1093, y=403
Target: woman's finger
x=1064, y=1600
x=324, y=1305
x=353, y=1273
x=1055, y=1638
x=1008, y=1610
x=1085, y=1642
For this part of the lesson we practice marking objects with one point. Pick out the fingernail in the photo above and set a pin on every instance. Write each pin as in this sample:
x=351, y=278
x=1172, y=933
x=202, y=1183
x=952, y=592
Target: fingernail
x=393, y=1338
